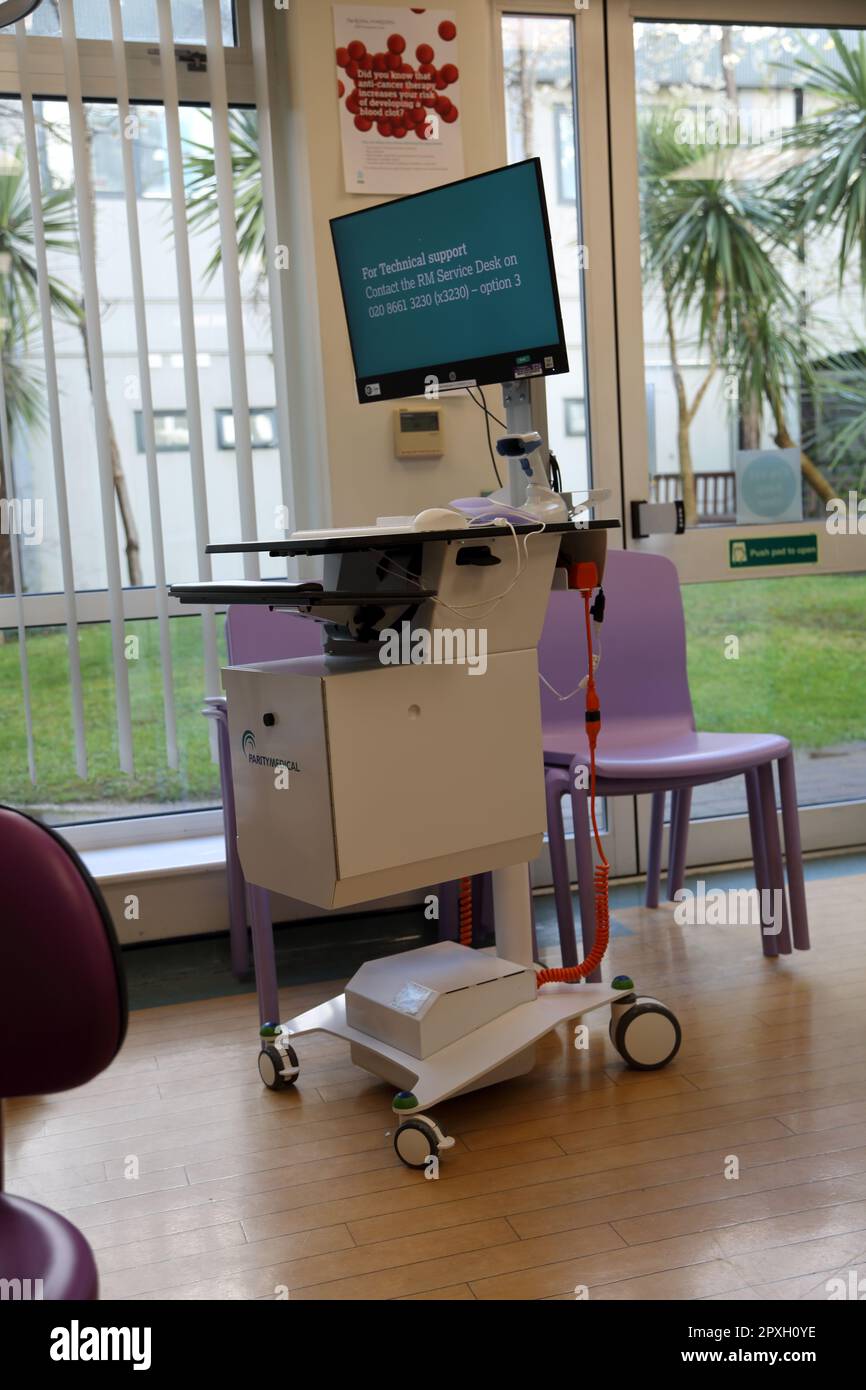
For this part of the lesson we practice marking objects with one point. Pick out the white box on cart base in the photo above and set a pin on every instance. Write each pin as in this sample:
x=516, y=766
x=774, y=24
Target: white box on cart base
x=420, y=1001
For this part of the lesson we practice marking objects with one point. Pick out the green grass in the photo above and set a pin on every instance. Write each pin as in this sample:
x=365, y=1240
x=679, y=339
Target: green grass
x=801, y=671
x=57, y=782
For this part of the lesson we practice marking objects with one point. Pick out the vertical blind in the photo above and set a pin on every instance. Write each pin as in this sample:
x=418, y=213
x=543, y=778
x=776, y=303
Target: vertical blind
x=127, y=73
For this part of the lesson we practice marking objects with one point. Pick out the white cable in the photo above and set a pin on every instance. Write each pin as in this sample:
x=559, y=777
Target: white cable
x=596, y=662
x=494, y=598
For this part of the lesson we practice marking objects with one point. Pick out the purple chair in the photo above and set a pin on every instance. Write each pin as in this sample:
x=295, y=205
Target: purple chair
x=63, y=1016
x=253, y=633
x=649, y=743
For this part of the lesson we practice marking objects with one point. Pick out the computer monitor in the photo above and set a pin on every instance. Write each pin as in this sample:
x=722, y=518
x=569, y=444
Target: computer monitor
x=452, y=287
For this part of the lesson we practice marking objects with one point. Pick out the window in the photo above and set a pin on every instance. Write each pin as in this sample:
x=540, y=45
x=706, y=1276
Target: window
x=263, y=428
x=170, y=428
x=563, y=130
x=149, y=146
x=92, y=21
x=96, y=725
x=575, y=418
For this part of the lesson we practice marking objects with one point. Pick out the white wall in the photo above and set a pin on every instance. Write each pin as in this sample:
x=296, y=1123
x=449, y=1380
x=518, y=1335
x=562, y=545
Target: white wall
x=366, y=479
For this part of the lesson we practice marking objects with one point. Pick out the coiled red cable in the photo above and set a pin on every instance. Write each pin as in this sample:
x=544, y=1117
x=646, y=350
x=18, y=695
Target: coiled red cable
x=571, y=974
x=465, y=894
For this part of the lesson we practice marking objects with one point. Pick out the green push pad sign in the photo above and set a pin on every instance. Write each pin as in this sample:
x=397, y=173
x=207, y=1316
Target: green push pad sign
x=755, y=551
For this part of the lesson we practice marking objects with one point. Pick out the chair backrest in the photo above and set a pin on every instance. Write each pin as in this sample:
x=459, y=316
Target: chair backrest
x=63, y=1007
x=642, y=675
x=254, y=633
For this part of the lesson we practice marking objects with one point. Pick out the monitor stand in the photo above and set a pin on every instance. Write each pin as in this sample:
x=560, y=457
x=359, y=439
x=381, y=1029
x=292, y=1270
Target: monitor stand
x=517, y=399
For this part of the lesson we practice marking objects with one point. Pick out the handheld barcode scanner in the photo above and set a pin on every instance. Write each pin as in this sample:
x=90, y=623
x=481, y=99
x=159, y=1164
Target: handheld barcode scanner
x=524, y=450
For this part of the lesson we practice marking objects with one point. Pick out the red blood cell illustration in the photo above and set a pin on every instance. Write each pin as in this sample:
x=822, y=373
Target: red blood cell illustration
x=427, y=69
x=396, y=43
x=366, y=62
x=408, y=69
x=363, y=123
x=419, y=114
x=340, y=88
x=380, y=62
x=440, y=84
x=342, y=57
x=423, y=131
x=451, y=116
x=449, y=72
x=447, y=30
x=424, y=53
x=443, y=104
x=394, y=61
x=357, y=50
x=353, y=103
x=352, y=69
x=384, y=127
x=399, y=132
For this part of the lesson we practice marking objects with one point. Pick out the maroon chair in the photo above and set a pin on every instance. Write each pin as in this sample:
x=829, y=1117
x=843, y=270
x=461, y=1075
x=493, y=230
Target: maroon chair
x=63, y=1015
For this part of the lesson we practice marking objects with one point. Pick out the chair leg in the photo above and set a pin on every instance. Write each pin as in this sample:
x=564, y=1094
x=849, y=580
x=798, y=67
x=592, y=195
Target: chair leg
x=680, y=815
x=793, y=853
x=585, y=872
x=654, y=855
x=263, y=955
x=774, y=852
x=238, y=942
x=769, y=944
x=554, y=789
x=485, y=909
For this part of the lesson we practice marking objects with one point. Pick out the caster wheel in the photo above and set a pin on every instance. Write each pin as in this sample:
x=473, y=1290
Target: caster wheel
x=647, y=1036
x=271, y=1063
x=415, y=1142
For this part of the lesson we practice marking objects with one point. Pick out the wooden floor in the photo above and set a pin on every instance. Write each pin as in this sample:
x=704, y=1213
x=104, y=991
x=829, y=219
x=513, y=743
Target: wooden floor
x=581, y=1173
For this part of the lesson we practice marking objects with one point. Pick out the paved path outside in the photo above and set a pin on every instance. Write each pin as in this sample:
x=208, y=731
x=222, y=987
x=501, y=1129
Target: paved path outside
x=827, y=774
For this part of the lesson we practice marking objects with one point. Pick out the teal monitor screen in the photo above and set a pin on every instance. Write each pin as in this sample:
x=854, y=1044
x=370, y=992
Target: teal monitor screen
x=452, y=287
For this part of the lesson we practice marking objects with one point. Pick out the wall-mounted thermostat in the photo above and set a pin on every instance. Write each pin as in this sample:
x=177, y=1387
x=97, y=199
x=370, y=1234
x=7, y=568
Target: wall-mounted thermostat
x=418, y=433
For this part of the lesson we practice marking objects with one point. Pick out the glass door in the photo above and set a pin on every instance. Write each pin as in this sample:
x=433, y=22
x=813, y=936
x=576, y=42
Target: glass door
x=554, y=107
x=739, y=206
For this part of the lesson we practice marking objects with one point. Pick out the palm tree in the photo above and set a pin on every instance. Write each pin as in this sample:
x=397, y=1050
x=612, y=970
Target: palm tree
x=826, y=183
x=201, y=189
x=19, y=309
x=826, y=188
x=718, y=248
x=707, y=246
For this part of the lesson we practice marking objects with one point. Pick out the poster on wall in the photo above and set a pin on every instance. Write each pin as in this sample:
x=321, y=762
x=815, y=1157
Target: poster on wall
x=398, y=92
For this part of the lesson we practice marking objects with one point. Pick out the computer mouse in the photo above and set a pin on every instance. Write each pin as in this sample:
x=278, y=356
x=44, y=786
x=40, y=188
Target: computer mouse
x=440, y=519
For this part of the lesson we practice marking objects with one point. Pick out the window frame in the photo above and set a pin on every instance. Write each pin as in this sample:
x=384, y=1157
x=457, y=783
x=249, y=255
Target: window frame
x=142, y=64
x=223, y=412
x=163, y=413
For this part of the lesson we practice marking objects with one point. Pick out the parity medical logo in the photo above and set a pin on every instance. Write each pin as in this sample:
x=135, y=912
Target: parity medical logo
x=248, y=747
x=77, y=1343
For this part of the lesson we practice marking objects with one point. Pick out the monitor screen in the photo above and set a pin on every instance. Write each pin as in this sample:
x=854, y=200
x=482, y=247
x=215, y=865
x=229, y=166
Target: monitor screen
x=452, y=287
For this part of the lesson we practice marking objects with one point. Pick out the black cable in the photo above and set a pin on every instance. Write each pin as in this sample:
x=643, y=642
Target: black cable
x=484, y=406
x=555, y=471
x=488, y=416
